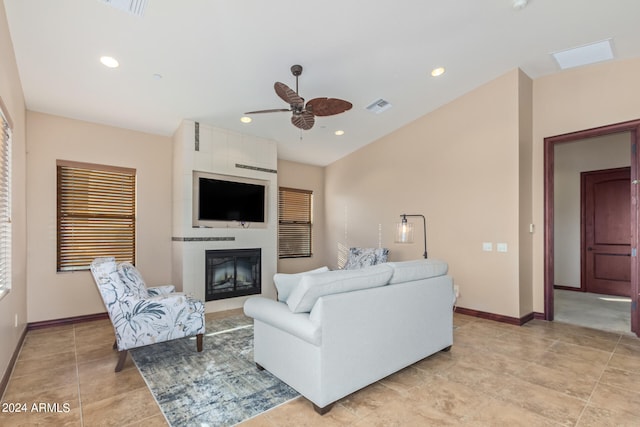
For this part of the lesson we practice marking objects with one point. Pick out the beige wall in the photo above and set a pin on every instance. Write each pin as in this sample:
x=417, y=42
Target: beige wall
x=307, y=177
x=459, y=166
x=14, y=304
x=606, y=152
x=570, y=101
x=55, y=295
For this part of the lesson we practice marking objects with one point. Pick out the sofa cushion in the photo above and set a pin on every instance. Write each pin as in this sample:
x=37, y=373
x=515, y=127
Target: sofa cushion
x=314, y=286
x=406, y=271
x=285, y=283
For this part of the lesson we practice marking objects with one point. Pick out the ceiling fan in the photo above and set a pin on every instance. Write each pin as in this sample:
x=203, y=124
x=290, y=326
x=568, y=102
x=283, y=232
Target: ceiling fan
x=303, y=116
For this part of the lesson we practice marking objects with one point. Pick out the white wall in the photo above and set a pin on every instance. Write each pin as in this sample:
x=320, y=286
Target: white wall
x=458, y=166
x=53, y=295
x=14, y=304
x=607, y=152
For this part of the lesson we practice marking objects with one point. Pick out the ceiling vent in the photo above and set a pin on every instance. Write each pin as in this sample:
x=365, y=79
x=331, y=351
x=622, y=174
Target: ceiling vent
x=134, y=7
x=378, y=106
x=584, y=55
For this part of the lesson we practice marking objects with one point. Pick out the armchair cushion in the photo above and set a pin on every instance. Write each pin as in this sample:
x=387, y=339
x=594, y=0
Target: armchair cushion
x=132, y=279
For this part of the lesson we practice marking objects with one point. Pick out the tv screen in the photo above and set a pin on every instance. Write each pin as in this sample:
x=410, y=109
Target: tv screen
x=221, y=200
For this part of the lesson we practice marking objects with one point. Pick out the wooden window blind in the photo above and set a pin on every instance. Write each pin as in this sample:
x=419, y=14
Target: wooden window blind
x=5, y=201
x=96, y=214
x=294, y=222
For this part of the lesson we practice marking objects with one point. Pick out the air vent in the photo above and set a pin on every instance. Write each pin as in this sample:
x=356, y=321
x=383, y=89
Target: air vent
x=379, y=106
x=584, y=55
x=134, y=7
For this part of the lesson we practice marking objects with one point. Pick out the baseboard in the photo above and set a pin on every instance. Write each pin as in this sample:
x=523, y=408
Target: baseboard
x=568, y=288
x=12, y=362
x=497, y=317
x=66, y=321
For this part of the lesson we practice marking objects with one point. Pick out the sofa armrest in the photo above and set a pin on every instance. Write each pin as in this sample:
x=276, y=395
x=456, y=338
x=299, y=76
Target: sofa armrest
x=278, y=315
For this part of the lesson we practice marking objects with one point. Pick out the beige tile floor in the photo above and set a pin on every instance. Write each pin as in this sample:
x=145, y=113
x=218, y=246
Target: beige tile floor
x=540, y=374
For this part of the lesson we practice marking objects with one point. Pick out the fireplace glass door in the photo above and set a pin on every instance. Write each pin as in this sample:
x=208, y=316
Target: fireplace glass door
x=232, y=273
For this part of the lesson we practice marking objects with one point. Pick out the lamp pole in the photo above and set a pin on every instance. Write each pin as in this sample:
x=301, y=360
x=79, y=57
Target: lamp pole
x=424, y=229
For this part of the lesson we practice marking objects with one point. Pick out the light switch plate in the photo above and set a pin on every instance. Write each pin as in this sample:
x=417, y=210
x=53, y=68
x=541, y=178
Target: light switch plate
x=487, y=246
x=501, y=247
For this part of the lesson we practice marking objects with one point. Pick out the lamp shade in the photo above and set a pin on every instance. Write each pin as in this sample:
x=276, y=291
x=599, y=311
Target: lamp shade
x=404, y=232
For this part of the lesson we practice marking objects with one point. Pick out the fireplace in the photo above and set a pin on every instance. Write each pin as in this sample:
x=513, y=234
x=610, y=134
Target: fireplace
x=232, y=273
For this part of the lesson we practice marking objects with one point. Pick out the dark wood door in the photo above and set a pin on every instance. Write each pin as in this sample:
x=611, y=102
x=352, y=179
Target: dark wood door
x=607, y=231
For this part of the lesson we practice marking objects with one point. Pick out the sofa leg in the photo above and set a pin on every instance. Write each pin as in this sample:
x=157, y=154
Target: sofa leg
x=259, y=366
x=199, y=342
x=121, y=359
x=324, y=410
x=446, y=349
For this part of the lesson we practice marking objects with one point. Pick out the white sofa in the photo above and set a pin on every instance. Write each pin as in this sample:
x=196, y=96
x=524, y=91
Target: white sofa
x=339, y=331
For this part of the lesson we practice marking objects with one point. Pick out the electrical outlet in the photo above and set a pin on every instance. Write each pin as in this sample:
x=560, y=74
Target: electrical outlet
x=16, y=320
x=456, y=290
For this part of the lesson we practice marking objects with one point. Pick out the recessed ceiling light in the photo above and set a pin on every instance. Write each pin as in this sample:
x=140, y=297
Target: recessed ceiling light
x=109, y=61
x=437, y=71
x=245, y=119
x=339, y=132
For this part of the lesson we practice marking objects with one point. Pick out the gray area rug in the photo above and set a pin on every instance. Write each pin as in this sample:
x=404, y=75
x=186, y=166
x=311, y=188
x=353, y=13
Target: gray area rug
x=220, y=386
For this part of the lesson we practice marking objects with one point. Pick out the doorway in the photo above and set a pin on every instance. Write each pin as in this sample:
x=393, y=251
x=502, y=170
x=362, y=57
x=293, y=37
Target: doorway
x=632, y=130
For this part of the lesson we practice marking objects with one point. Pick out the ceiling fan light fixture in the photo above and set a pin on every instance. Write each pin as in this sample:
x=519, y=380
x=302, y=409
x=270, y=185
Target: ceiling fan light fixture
x=246, y=119
x=339, y=133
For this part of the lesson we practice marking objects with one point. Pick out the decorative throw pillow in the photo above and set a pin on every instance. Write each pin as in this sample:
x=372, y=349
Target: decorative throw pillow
x=132, y=279
x=363, y=257
x=285, y=283
x=314, y=286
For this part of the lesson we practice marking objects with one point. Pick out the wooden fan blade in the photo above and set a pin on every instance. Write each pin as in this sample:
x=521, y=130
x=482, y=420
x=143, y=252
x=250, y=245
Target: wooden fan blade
x=303, y=120
x=275, y=110
x=327, y=106
x=288, y=95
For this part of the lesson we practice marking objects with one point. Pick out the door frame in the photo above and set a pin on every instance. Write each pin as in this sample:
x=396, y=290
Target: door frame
x=633, y=127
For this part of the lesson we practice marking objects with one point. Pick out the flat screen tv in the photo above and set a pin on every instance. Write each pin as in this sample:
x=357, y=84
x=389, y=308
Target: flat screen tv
x=220, y=199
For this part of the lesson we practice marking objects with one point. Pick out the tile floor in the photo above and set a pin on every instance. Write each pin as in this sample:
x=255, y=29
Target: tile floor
x=540, y=374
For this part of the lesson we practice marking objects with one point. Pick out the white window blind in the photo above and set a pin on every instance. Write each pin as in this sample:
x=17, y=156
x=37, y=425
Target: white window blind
x=5, y=205
x=294, y=222
x=96, y=214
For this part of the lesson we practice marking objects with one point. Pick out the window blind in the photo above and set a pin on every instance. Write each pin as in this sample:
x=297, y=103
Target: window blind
x=294, y=222
x=5, y=205
x=96, y=214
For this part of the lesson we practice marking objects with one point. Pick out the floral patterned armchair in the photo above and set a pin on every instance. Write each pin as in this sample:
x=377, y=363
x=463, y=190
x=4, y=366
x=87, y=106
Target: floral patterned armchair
x=141, y=315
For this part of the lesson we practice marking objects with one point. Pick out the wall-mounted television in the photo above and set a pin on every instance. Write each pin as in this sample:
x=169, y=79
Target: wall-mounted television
x=221, y=199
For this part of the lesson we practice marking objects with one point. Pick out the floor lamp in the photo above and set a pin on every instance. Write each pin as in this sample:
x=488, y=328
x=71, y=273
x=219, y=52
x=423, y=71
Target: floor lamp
x=404, y=231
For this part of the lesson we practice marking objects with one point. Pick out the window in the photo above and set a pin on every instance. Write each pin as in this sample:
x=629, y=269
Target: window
x=5, y=201
x=96, y=214
x=294, y=222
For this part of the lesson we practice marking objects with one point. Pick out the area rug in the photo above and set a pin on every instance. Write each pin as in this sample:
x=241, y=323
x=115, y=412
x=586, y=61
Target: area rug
x=220, y=386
